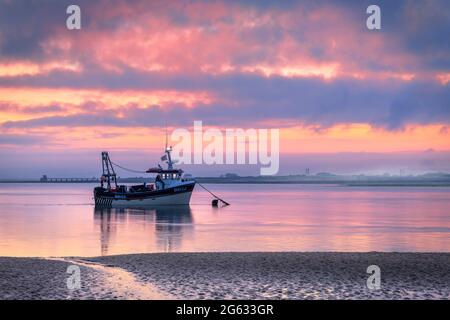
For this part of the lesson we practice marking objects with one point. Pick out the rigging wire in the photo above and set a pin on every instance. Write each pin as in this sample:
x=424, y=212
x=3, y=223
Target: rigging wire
x=127, y=169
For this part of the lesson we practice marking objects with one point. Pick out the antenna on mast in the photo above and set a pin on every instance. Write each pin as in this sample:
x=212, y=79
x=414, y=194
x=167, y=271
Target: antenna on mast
x=166, y=134
x=167, y=151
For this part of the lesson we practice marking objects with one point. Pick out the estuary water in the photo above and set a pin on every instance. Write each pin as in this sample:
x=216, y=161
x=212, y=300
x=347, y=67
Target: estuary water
x=60, y=220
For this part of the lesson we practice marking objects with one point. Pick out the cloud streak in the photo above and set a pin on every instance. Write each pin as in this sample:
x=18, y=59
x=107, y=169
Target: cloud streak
x=275, y=99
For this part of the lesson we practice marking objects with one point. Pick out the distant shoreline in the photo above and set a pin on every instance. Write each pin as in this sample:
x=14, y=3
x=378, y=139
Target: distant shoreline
x=438, y=179
x=348, y=183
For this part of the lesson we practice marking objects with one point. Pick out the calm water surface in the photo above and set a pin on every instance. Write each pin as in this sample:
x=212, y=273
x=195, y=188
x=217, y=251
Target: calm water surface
x=60, y=220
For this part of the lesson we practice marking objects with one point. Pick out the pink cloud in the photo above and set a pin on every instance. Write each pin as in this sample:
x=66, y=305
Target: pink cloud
x=217, y=38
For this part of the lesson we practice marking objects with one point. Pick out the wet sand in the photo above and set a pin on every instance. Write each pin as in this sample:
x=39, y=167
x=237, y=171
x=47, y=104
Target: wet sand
x=46, y=279
x=276, y=275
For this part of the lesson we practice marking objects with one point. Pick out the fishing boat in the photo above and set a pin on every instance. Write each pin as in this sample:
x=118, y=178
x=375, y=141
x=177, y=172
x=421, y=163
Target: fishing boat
x=169, y=187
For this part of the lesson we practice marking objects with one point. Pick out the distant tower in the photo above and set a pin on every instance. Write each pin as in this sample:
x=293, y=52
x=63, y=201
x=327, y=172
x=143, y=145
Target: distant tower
x=307, y=171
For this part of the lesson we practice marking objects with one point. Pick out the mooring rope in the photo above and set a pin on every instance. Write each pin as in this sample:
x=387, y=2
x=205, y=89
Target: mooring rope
x=212, y=193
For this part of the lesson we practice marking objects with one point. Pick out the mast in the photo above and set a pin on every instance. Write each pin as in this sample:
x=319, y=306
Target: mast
x=169, y=159
x=108, y=170
x=167, y=150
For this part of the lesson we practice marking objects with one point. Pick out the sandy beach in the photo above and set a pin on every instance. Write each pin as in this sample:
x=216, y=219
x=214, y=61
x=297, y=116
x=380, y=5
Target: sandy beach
x=271, y=275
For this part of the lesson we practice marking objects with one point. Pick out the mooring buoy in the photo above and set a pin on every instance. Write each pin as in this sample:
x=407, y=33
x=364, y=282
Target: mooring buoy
x=215, y=202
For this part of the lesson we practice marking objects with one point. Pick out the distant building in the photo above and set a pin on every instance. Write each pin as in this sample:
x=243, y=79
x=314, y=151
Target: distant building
x=44, y=178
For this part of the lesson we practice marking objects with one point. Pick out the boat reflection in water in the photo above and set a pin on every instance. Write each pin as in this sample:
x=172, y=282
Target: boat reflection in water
x=146, y=229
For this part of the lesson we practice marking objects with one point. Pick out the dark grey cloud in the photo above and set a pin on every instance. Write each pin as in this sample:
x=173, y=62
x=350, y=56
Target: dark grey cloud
x=14, y=139
x=292, y=101
x=25, y=24
x=420, y=28
x=418, y=103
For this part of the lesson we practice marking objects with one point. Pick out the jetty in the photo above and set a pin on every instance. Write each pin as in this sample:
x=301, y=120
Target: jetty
x=44, y=178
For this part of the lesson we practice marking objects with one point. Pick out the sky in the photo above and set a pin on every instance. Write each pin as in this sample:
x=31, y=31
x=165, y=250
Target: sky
x=346, y=99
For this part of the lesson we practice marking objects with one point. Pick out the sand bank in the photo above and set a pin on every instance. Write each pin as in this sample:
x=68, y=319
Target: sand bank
x=286, y=275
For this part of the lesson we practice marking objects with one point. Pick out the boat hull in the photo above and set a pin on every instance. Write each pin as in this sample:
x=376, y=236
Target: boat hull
x=179, y=195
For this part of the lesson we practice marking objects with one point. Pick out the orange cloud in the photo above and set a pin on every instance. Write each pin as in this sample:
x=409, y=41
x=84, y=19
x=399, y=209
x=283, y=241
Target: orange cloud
x=29, y=97
x=326, y=71
x=443, y=78
x=18, y=104
x=27, y=68
x=360, y=137
x=356, y=137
